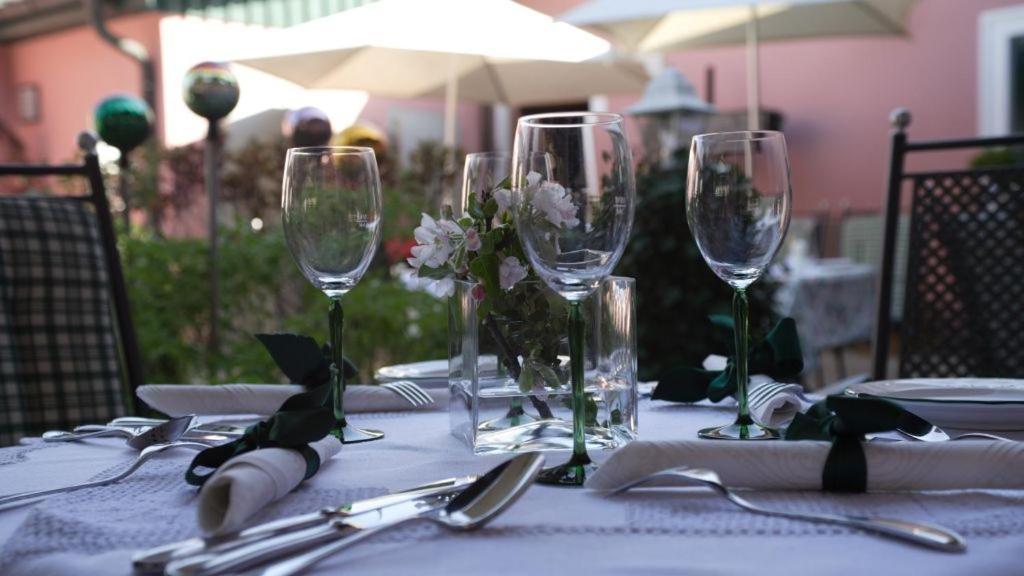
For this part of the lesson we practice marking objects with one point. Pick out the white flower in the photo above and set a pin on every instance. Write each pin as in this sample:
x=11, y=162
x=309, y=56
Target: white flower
x=552, y=200
x=503, y=197
x=434, y=239
x=532, y=179
x=442, y=288
x=510, y=272
x=473, y=243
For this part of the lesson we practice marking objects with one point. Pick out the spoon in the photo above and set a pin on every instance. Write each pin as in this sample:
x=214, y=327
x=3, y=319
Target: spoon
x=169, y=431
x=472, y=508
x=936, y=434
x=479, y=502
x=147, y=453
x=917, y=533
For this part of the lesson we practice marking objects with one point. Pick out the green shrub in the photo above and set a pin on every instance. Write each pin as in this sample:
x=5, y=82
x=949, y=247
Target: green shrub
x=262, y=290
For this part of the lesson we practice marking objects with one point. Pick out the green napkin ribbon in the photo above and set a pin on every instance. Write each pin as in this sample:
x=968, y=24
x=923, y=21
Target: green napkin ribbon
x=844, y=420
x=302, y=360
x=303, y=418
x=778, y=355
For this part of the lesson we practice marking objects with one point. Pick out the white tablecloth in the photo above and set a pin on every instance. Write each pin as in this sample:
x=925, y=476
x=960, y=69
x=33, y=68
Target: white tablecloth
x=832, y=301
x=551, y=530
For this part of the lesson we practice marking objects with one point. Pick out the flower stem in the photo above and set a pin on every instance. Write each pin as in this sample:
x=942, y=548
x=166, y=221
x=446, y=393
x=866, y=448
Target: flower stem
x=511, y=361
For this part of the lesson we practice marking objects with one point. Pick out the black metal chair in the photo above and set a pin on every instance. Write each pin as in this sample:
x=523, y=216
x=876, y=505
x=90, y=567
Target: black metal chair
x=68, y=349
x=964, y=296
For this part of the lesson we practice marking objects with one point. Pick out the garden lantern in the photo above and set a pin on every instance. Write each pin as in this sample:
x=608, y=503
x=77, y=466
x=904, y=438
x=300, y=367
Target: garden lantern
x=123, y=122
x=670, y=112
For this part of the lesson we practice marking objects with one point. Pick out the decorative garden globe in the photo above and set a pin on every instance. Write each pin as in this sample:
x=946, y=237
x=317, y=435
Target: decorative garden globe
x=307, y=126
x=123, y=121
x=211, y=90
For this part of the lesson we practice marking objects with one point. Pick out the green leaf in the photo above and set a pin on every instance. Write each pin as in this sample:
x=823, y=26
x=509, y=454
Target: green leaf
x=485, y=269
x=434, y=273
x=490, y=208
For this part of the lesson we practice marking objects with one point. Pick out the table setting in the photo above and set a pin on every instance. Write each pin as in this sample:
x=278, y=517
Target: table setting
x=533, y=447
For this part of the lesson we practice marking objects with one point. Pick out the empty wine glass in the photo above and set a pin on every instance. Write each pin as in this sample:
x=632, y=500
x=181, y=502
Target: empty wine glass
x=331, y=210
x=573, y=193
x=738, y=199
x=482, y=173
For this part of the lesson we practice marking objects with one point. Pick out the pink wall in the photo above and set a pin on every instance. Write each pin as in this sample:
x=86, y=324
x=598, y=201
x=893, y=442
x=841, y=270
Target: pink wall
x=836, y=95
x=74, y=70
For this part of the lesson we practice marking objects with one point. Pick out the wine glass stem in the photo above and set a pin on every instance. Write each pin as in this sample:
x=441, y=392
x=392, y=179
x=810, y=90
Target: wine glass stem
x=337, y=316
x=740, y=312
x=579, y=406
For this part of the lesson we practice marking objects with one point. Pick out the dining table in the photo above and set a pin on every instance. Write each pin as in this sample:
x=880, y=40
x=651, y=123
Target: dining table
x=550, y=530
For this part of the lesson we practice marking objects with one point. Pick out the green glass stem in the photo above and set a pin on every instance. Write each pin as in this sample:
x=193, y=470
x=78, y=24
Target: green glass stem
x=575, y=471
x=740, y=313
x=337, y=316
x=579, y=404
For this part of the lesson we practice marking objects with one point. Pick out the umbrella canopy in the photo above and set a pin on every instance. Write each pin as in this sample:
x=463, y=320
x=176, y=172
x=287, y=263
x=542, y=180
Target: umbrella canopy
x=480, y=50
x=403, y=73
x=666, y=25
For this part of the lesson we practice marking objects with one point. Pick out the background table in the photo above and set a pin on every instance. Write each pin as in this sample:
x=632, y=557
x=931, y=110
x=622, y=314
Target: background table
x=689, y=531
x=832, y=301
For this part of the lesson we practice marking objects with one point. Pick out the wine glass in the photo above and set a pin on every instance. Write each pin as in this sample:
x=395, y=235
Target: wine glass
x=738, y=198
x=481, y=174
x=573, y=194
x=331, y=210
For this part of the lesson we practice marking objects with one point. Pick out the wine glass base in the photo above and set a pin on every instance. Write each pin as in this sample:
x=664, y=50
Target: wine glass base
x=352, y=435
x=572, y=473
x=737, y=431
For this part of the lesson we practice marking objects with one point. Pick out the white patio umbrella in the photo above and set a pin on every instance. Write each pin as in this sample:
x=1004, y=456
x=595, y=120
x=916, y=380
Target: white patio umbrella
x=666, y=25
x=493, y=51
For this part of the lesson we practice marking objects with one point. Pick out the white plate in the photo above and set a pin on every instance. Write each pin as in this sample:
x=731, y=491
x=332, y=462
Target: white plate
x=968, y=403
x=429, y=373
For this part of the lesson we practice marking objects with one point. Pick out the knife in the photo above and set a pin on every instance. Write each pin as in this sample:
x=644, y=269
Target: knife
x=156, y=559
x=261, y=551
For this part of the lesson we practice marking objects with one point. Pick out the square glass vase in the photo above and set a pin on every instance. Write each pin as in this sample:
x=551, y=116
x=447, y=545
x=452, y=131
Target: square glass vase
x=494, y=412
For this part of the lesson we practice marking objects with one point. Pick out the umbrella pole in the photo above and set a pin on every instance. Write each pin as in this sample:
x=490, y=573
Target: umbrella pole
x=451, y=95
x=753, y=73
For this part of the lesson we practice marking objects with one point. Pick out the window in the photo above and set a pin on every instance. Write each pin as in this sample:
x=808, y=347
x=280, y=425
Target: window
x=1001, y=71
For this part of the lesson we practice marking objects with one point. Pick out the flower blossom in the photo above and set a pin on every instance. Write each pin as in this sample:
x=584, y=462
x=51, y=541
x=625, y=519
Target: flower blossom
x=434, y=242
x=511, y=271
x=473, y=243
x=503, y=196
x=552, y=200
x=478, y=292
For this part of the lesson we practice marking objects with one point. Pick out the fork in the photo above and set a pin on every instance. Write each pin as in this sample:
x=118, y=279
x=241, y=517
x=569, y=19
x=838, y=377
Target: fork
x=144, y=456
x=410, y=391
x=918, y=533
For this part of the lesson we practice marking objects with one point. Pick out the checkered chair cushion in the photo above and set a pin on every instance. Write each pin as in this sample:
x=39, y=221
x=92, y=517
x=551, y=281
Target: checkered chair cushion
x=59, y=358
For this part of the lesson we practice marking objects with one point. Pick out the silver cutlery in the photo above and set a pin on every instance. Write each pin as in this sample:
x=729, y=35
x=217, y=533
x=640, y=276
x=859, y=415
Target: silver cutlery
x=471, y=509
x=168, y=431
x=479, y=502
x=147, y=454
x=918, y=533
x=410, y=391
x=936, y=434
x=156, y=559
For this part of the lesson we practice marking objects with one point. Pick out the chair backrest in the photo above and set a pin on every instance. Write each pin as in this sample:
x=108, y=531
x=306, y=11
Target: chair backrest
x=68, y=350
x=965, y=264
x=861, y=240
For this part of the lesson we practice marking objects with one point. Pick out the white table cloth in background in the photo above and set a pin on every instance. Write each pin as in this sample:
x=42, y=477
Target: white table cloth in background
x=551, y=530
x=832, y=301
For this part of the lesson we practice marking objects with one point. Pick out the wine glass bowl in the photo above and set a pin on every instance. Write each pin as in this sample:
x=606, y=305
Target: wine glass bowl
x=331, y=211
x=573, y=195
x=738, y=198
x=574, y=190
x=331, y=214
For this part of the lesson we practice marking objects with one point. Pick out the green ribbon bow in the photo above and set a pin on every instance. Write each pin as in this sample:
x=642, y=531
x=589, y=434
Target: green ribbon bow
x=844, y=420
x=303, y=418
x=302, y=360
x=777, y=356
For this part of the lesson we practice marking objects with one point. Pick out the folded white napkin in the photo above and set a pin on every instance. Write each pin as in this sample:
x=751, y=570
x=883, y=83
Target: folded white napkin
x=772, y=404
x=181, y=399
x=243, y=485
x=797, y=465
